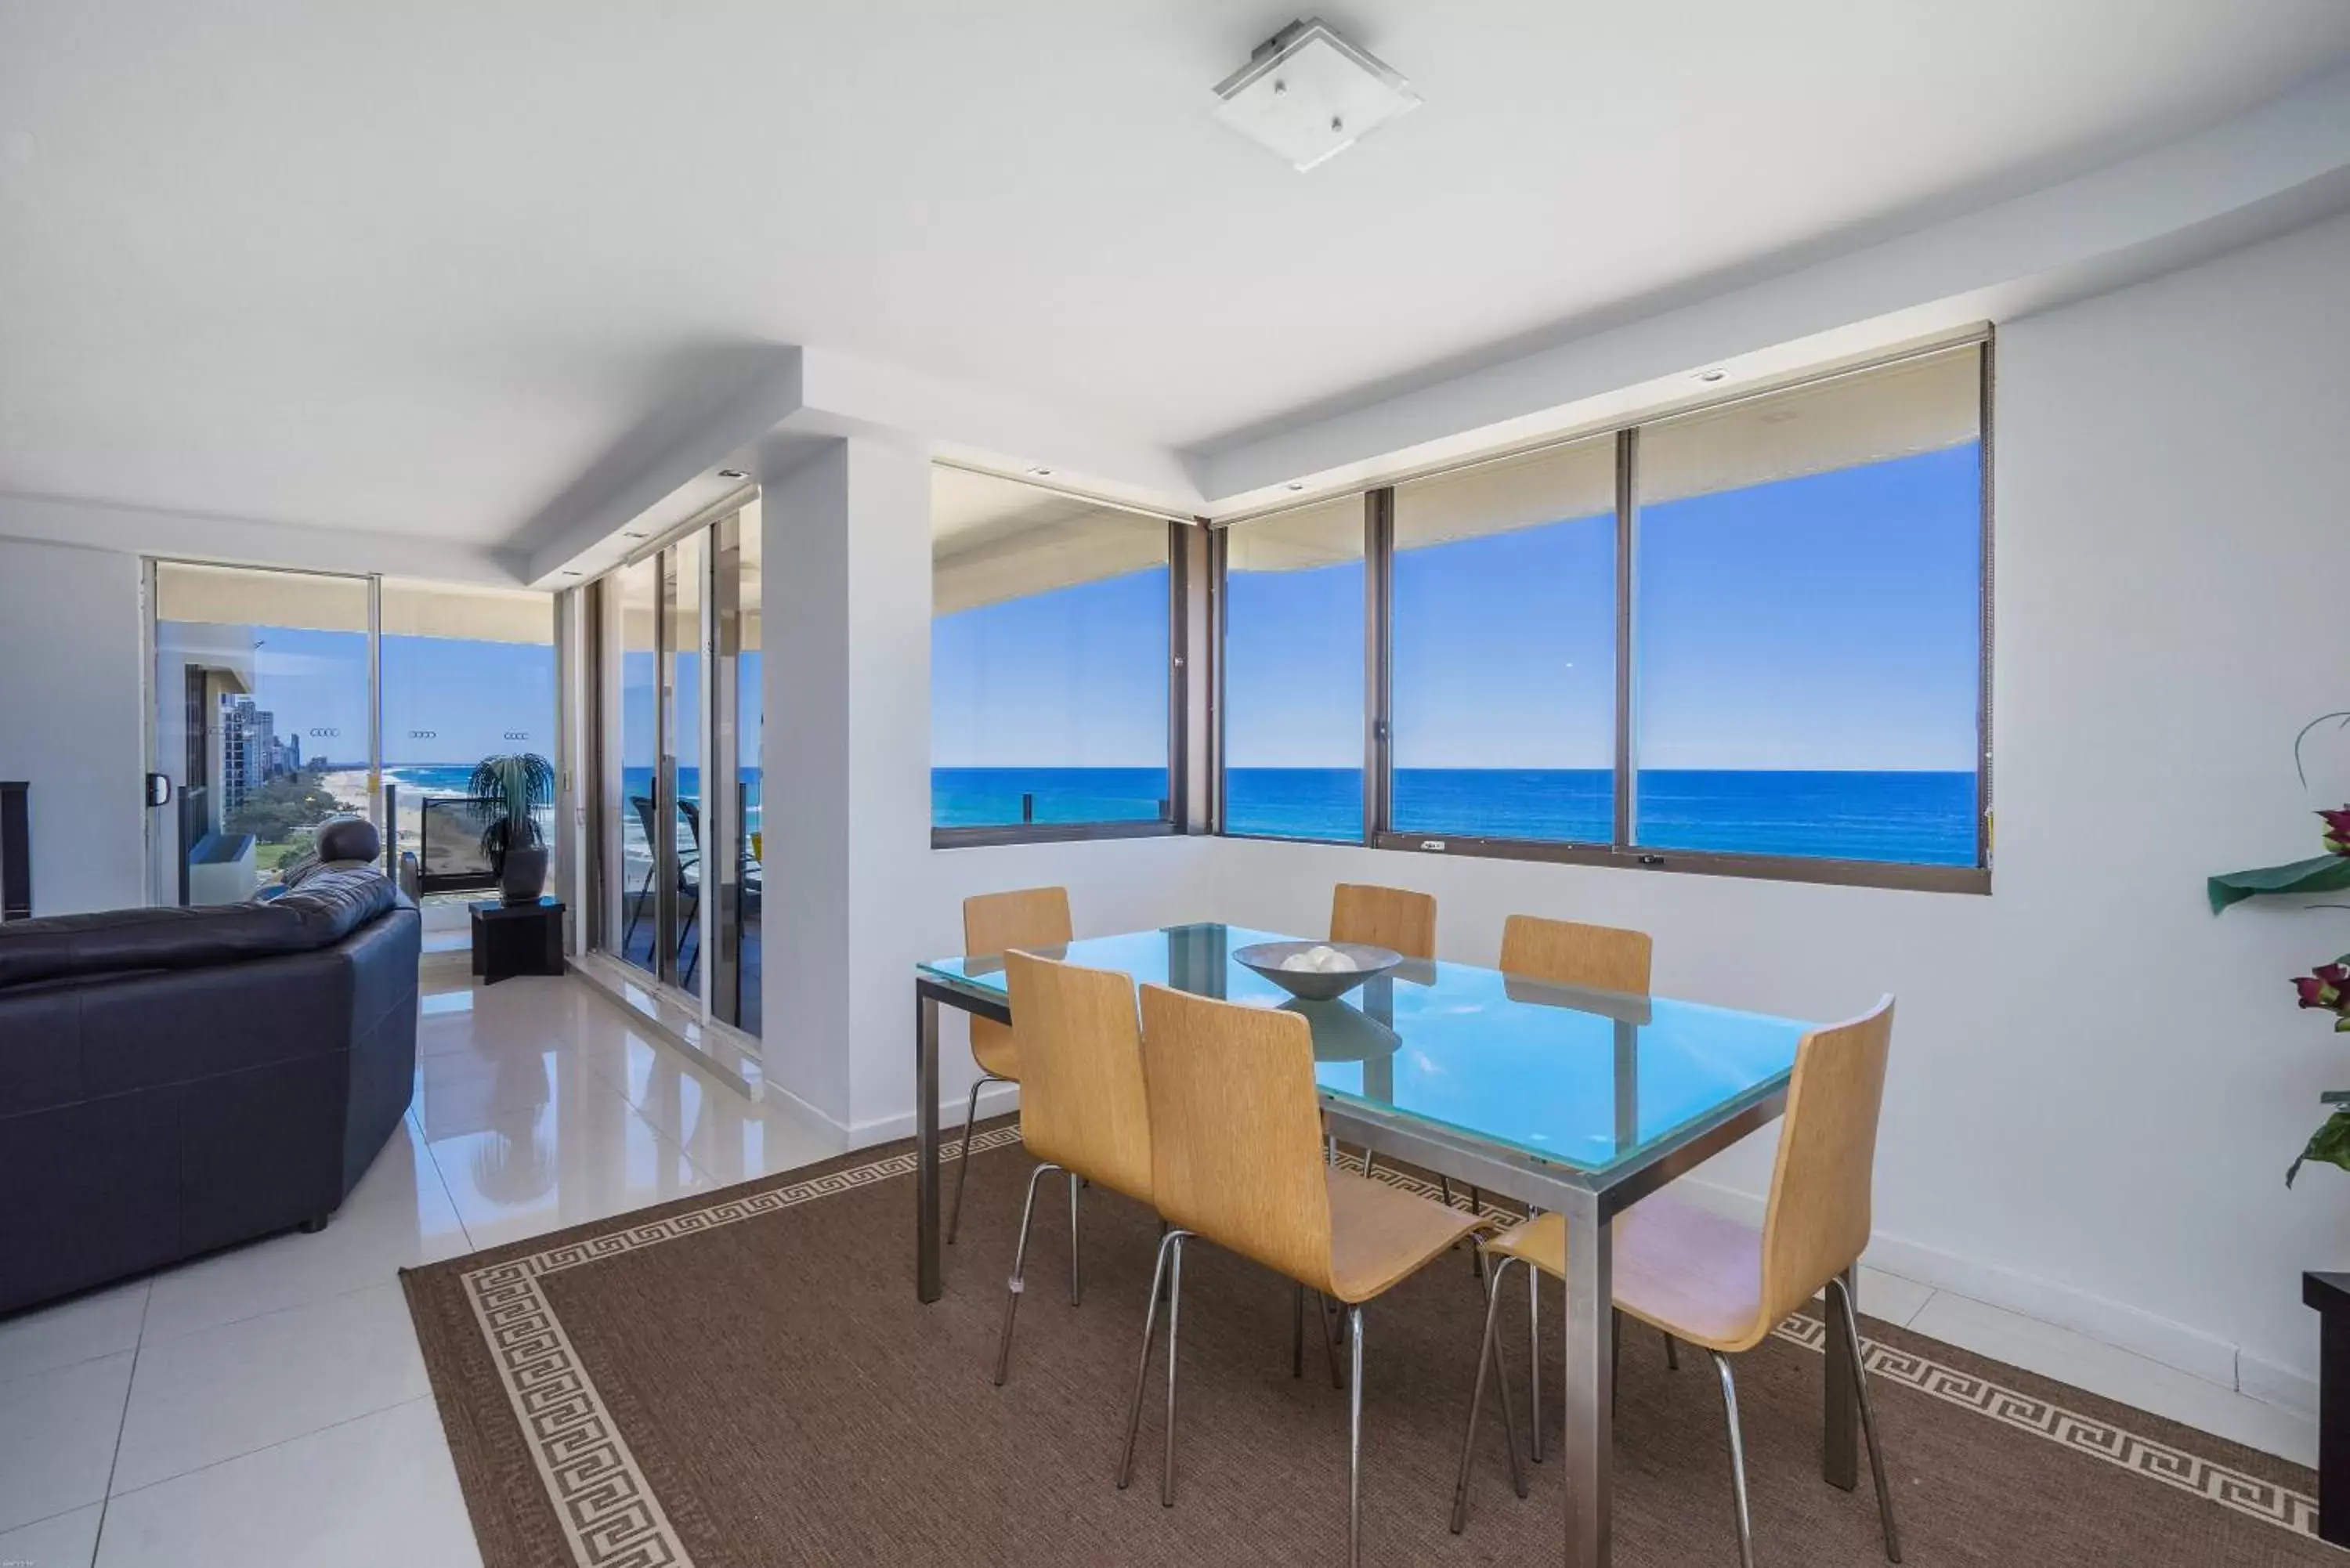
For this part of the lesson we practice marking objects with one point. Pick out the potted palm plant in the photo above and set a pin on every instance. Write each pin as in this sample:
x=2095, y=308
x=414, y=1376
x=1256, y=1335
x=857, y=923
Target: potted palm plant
x=509, y=791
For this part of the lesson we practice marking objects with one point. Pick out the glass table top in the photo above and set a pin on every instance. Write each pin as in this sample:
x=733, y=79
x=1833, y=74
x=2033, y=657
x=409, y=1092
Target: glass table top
x=1590, y=1080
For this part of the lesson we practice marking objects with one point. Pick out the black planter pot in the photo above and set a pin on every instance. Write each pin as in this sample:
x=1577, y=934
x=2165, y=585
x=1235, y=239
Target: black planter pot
x=522, y=876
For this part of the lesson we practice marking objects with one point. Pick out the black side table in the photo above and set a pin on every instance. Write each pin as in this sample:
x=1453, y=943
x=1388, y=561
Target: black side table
x=517, y=938
x=2330, y=1294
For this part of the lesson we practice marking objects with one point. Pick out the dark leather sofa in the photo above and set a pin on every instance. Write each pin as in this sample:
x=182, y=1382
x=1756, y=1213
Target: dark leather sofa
x=175, y=1080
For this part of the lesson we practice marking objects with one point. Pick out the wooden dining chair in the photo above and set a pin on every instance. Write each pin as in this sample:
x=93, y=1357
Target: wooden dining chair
x=1392, y=918
x=1236, y=1161
x=1593, y=958
x=1722, y=1286
x=1082, y=1109
x=1567, y=952
x=997, y=923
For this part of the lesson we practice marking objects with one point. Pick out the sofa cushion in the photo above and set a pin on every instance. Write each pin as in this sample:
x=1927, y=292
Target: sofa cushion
x=321, y=912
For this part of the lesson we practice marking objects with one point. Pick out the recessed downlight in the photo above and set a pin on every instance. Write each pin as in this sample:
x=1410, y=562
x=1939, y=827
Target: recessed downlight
x=731, y=473
x=1710, y=376
x=632, y=533
x=1297, y=484
x=1040, y=470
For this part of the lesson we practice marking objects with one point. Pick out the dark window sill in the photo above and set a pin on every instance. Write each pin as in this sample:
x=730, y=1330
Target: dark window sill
x=1046, y=833
x=1707, y=863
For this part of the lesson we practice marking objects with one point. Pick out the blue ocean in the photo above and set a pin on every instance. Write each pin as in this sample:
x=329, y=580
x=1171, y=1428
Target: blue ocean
x=1915, y=818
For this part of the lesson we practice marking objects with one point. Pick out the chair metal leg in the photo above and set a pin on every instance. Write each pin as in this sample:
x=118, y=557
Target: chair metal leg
x=1444, y=1185
x=1867, y=1418
x=637, y=910
x=1533, y=1363
x=1076, y=1187
x=1737, y=1459
x=1012, y=1287
x=1174, y=1320
x=1487, y=1360
x=1367, y=1162
x=962, y=1165
x=1142, y=1362
x=1673, y=1353
x=1355, y=1438
x=1297, y=1333
x=1333, y=1324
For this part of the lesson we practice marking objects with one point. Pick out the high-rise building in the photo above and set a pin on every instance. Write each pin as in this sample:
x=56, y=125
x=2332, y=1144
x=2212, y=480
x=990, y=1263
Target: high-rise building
x=248, y=751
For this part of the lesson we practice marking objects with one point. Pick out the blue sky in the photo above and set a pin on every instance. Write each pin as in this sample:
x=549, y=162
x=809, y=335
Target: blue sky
x=1825, y=622
x=1073, y=678
x=445, y=700
x=1829, y=622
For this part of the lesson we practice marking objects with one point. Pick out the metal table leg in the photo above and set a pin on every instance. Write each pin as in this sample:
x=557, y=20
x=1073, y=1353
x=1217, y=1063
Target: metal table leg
x=1839, y=1461
x=1589, y=1394
x=926, y=1147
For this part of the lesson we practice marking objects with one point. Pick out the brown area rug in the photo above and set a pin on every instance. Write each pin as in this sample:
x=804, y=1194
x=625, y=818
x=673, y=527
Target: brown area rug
x=746, y=1379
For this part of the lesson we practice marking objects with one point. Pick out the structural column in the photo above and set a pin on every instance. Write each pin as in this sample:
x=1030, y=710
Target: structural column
x=845, y=765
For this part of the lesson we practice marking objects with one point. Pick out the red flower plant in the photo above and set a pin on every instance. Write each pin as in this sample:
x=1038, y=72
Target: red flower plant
x=2337, y=830
x=2327, y=989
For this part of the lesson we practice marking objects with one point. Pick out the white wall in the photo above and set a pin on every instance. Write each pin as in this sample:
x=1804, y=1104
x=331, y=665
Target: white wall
x=859, y=897
x=2096, y=1086
x=72, y=720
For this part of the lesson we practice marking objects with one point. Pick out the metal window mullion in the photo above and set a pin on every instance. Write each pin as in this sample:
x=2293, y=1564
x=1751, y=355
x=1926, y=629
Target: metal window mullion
x=390, y=830
x=1628, y=502
x=724, y=828
x=1984, y=821
x=663, y=832
x=1218, y=555
x=1378, y=615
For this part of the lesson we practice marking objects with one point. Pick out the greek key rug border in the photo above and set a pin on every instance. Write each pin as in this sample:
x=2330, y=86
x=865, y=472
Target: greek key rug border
x=612, y=1519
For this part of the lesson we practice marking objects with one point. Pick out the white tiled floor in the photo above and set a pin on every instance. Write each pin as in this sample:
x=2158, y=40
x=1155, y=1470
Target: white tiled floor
x=267, y=1406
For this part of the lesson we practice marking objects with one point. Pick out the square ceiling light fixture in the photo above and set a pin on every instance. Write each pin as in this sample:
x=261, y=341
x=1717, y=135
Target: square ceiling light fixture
x=1308, y=94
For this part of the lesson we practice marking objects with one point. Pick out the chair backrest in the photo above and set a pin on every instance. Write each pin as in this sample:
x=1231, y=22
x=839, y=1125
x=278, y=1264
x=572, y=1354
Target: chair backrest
x=1082, y=1105
x=1818, y=1220
x=1385, y=918
x=1236, y=1130
x=1566, y=952
x=1025, y=917
x=999, y=922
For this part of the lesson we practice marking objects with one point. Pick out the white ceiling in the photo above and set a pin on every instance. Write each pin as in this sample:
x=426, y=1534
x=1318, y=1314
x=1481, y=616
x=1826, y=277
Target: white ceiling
x=415, y=268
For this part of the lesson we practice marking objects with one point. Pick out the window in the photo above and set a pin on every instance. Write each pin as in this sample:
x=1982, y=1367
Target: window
x=1049, y=662
x=263, y=719
x=467, y=673
x=1504, y=636
x=1809, y=620
x=1751, y=639
x=1294, y=673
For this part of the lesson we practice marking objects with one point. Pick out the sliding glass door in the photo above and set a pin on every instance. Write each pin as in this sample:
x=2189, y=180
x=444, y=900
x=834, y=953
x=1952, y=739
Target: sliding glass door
x=683, y=827
x=264, y=722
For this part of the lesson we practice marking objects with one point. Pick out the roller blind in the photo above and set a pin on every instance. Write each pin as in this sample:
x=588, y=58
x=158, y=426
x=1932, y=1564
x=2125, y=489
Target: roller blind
x=478, y=615
x=1321, y=534
x=1919, y=405
x=994, y=539
x=232, y=596
x=1577, y=481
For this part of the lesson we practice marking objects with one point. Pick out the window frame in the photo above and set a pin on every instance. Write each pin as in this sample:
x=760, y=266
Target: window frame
x=1189, y=576
x=1378, y=794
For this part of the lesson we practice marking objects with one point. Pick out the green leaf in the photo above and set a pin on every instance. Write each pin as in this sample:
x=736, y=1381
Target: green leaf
x=2326, y=874
x=2329, y=1145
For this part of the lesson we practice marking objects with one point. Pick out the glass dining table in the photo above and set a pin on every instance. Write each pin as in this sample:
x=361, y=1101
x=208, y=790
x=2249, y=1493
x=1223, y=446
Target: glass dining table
x=1578, y=1102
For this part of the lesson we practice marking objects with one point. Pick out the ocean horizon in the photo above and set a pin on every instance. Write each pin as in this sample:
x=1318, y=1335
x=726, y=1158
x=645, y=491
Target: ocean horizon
x=1913, y=818
x=1903, y=817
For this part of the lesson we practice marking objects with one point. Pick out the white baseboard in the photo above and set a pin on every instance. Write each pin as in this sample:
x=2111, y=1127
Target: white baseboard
x=2274, y=1382
x=2117, y=1324
x=995, y=1100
